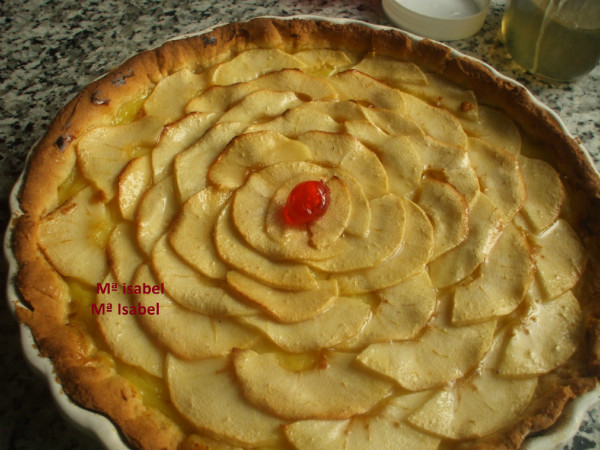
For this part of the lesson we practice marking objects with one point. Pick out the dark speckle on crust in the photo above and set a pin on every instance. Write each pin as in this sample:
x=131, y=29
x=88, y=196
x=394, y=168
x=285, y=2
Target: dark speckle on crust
x=96, y=99
x=209, y=40
x=120, y=78
x=62, y=141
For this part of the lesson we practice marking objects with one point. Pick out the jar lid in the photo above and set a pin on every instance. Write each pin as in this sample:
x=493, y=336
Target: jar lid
x=445, y=20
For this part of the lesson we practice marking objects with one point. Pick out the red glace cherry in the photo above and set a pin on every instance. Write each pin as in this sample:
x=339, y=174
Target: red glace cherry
x=306, y=203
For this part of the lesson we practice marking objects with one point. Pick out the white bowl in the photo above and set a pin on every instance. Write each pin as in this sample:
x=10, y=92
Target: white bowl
x=445, y=20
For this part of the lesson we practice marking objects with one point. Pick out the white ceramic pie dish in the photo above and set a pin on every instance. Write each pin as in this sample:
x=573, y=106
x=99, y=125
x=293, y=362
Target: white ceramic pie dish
x=105, y=431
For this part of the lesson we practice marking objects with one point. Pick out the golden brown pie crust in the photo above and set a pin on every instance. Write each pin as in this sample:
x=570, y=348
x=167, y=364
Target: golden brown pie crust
x=91, y=380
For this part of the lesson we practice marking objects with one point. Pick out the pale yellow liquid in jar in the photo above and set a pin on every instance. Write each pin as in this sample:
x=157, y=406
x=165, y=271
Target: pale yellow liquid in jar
x=543, y=36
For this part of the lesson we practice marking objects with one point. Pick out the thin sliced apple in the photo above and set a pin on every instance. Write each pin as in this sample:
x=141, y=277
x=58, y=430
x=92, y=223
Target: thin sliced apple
x=295, y=122
x=499, y=177
x=187, y=334
x=330, y=227
x=449, y=214
x=218, y=99
x=284, y=305
x=408, y=261
x=345, y=152
x=296, y=81
x=460, y=262
x=190, y=289
x=324, y=62
x=435, y=122
x=346, y=317
x=157, y=209
x=545, y=193
x=388, y=219
x=192, y=232
x=357, y=86
x=433, y=360
x=546, y=339
x=326, y=229
x=392, y=122
x=123, y=253
x=402, y=312
x=74, y=237
x=307, y=394
x=494, y=401
x=169, y=97
x=438, y=91
x=560, y=258
x=234, y=251
x=260, y=105
x=208, y=396
x=124, y=336
x=496, y=128
x=397, y=154
x=251, y=64
x=392, y=71
x=175, y=138
x=250, y=208
x=251, y=151
x=133, y=182
x=502, y=281
x=103, y=152
x=191, y=165
x=386, y=432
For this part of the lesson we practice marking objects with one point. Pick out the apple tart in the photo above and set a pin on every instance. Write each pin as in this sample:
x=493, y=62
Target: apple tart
x=297, y=234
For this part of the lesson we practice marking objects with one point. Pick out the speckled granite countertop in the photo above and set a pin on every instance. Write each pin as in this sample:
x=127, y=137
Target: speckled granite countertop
x=50, y=50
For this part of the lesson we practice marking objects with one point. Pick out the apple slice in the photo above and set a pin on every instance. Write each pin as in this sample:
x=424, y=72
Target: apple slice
x=253, y=63
x=191, y=165
x=103, y=152
x=346, y=317
x=175, y=138
x=192, y=232
x=397, y=154
x=460, y=262
x=385, y=238
x=346, y=153
x=502, y=281
x=170, y=95
x=324, y=62
x=307, y=394
x=402, y=312
x=392, y=122
x=74, y=237
x=218, y=99
x=546, y=339
x=208, y=396
x=388, y=431
x=560, y=258
x=285, y=306
x=260, y=105
x=155, y=213
x=499, y=177
x=190, y=289
x=296, y=81
x=326, y=229
x=475, y=407
x=133, y=182
x=545, y=193
x=234, y=251
x=408, y=261
x=248, y=152
x=187, y=334
x=496, y=128
x=250, y=207
x=437, y=91
x=443, y=354
x=124, y=336
x=354, y=85
x=449, y=214
x=435, y=122
x=392, y=71
x=297, y=121
x=123, y=253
